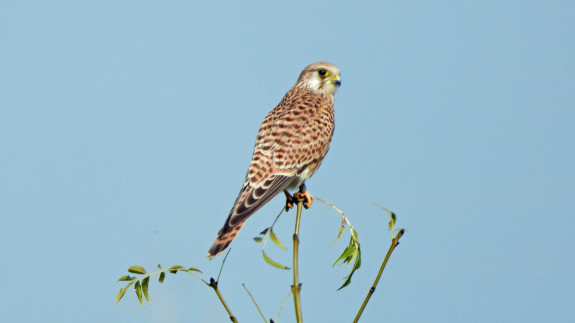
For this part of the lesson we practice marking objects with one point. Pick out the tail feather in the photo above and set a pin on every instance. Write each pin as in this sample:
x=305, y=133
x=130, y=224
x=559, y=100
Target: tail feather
x=249, y=200
x=225, y=237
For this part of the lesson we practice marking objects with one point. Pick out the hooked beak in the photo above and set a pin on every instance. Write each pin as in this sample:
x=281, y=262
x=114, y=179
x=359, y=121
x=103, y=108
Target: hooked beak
x=336, y=80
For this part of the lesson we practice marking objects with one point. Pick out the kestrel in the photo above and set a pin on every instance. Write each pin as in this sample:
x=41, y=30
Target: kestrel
x=291, y=144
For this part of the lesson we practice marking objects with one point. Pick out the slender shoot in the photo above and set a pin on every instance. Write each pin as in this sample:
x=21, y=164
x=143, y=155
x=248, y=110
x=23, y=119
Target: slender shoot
x=223, y=262
x=296, y=287
x=283, y=305
x=255, y=303
x=214, y=285
x=394, y=244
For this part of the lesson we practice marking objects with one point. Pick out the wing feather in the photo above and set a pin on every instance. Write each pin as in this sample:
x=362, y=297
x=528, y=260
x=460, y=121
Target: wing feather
x=252, y=199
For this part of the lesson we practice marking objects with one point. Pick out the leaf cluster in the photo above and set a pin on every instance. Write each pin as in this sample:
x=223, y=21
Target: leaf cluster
x=141, y=283
x=268, y=233
x=352, y=253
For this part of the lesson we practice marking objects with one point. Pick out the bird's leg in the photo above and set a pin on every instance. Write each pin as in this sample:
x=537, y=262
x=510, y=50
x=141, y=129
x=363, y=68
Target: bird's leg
x=289, y=200
x=304, y=194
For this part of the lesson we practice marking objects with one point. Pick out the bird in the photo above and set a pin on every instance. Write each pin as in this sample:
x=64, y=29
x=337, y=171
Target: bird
x=290, y=146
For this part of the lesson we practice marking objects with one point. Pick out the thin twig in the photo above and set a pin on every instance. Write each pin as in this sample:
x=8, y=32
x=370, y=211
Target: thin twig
x=256, y=304
x=271, y=228
x=214, y=285
x=394, y=244
x=296, y=287
x=281, y=308
x=223, y=262
x=329, y=204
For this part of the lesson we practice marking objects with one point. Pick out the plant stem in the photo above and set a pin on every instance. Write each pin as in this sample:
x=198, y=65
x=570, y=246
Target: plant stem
x=255, y=303
x=394, y=244
x=214, y=285
x=296, y=287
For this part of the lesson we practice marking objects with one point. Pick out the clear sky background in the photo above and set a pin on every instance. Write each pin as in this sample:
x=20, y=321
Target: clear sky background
x=126, y=128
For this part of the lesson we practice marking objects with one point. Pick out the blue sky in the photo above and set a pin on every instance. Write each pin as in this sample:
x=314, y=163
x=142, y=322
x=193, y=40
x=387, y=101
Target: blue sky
x=126, y=128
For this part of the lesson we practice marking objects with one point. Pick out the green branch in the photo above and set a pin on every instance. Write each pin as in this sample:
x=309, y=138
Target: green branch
x=255, y=303
x=141, y=284
x=352, y=253
x=296, y=287
x=394, y=244
x=214, y=285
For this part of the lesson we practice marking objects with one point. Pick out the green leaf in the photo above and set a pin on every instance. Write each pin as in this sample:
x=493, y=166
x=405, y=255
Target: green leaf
x=392, y=217
x=341, y=230
x=344, y=255
x=194, y=269
x=358, y=259
x=392, y=221
x=159, y=267
x=138, y=288
x=122, y=292
x=174, y=269
x=356, y=266
x=276, y=240
x=137, y=270
x=347, y=281
x=126, y=279
x=265, y=231
x=353, y=233
x=145, y=282
x=258, y=239
x=273, y=263
x=162, y=276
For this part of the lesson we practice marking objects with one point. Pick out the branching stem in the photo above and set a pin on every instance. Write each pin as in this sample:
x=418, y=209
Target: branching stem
x=394, y=244
x=214, y=285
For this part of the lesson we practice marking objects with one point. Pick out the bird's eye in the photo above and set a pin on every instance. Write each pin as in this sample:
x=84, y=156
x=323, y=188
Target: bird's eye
x=323, y=73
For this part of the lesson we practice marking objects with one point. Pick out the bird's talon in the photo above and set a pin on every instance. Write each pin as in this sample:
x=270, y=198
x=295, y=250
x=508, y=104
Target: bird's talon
x=290, y=200
x=306, y=196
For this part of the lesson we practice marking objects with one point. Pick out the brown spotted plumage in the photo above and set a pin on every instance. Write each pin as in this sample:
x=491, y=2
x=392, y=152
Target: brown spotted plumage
x=290, y=146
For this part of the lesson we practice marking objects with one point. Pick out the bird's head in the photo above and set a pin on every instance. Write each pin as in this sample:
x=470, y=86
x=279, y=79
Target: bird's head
x=320, y=77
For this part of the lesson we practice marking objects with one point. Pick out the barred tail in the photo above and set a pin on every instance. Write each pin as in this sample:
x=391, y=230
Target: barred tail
x=225, y=237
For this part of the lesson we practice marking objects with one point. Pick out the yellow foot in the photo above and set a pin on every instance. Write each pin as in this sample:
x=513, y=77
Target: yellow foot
x=304, y=195
x=289, y=201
